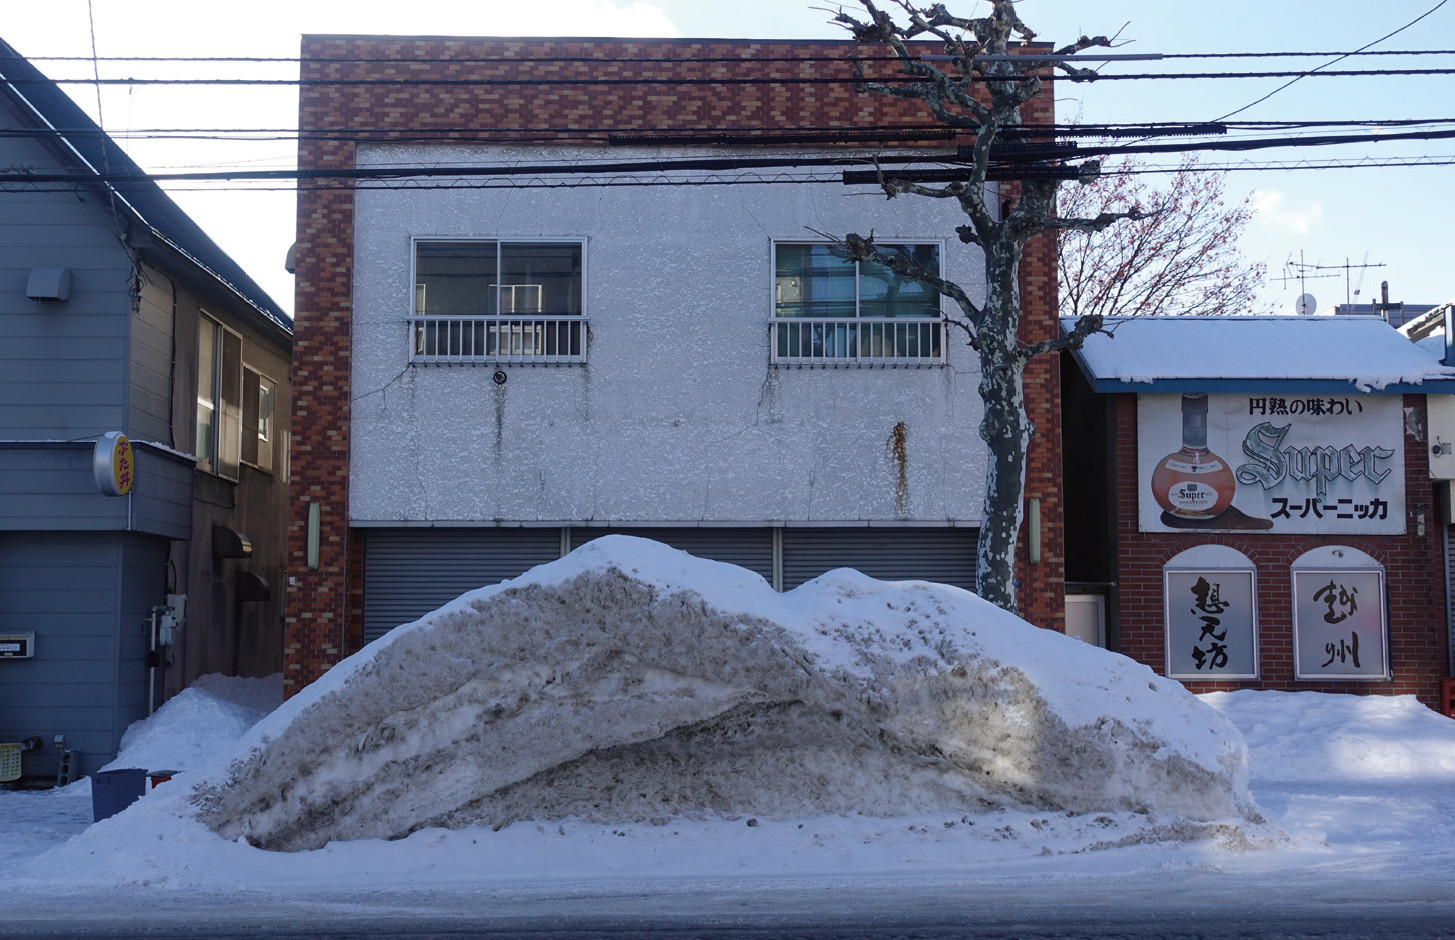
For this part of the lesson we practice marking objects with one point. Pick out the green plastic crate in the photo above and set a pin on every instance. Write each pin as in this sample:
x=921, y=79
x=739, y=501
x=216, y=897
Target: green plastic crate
x=9, y=762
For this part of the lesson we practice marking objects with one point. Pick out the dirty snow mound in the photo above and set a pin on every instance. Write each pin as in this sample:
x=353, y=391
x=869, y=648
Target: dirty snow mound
x=632, y=682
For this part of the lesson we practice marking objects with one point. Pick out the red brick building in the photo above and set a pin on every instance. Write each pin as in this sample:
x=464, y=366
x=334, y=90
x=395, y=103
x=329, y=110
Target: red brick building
x=665, y=360
x=1257, y=501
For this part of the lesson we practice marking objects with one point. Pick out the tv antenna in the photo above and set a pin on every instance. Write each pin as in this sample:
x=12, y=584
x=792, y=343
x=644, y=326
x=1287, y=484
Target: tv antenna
x=1303, y=270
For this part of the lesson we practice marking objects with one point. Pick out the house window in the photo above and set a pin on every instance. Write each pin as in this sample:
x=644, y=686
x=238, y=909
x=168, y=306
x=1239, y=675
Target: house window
x=829, y=310
x=258, y=429
x=235, y=418
x=497, y=301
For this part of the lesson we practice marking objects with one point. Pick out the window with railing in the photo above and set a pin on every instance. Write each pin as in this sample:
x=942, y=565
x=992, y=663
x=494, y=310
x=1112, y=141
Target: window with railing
x=832, y=311
x=497, y=302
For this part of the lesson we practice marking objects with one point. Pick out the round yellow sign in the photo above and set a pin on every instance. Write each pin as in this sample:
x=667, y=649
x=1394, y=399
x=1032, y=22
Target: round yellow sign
x=114, y=464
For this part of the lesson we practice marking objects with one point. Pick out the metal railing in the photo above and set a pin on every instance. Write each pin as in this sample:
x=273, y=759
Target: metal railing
x=878, y=341
x=465, y=340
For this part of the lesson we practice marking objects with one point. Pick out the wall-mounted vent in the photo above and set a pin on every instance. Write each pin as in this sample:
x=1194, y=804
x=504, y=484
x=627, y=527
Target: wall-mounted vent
x=49, y=284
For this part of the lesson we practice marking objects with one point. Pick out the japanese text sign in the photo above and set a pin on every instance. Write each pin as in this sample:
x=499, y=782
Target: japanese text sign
x=1211, y=624
x=1339, y=629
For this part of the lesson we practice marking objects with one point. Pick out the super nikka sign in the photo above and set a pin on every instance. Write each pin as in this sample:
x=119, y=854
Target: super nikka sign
x=1271, y=463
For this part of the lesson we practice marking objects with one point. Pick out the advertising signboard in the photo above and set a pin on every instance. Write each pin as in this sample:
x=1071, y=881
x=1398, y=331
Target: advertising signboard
x=1277, y=464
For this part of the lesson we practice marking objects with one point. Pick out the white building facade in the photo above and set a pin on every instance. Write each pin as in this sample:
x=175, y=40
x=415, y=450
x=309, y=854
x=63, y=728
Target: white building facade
x=574, y=359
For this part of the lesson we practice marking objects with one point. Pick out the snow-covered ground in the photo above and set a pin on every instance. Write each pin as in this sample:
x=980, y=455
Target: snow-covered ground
x=1357, y=801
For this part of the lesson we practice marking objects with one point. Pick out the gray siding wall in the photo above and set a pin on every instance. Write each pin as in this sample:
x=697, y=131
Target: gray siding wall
x=50, y=485
x=86, y=596
x=151, y=365
x=62, y=363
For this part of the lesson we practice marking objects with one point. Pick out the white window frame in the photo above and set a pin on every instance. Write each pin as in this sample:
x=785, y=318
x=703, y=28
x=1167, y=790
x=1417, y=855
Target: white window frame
x=506, y=338
x=857, y=340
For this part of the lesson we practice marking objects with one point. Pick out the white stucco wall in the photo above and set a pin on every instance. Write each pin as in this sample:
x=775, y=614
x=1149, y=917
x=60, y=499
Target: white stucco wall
x=677, y=417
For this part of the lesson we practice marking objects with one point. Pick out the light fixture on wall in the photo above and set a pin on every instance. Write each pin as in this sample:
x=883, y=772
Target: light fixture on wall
x=313, y=526
x=1033, y=525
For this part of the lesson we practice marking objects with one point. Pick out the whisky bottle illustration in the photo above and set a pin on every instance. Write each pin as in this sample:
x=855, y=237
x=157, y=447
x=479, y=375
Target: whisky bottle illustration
x=1193, y=482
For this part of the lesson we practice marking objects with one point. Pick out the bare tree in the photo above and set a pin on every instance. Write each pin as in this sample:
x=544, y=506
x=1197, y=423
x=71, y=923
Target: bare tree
x=1181, y=258
x=980, y=85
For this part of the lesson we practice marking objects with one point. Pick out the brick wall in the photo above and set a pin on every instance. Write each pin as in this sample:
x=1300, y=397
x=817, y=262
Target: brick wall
x=1414, y=574
x=550, y=91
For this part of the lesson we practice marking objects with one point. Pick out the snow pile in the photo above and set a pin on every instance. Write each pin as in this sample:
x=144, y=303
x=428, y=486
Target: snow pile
x=185, y=733
x=632, y=682
x=1347, y=737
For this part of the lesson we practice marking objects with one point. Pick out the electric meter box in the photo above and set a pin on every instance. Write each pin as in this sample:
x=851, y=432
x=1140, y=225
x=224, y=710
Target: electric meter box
x=17, y=645
x=1440, y=410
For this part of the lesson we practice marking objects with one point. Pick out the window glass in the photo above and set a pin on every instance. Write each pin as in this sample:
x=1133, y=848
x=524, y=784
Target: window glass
x=205, y=446
x=250, y=416
x=882, y=293
x=540, y=278
x=810, y=281
x=267, y=394
x=455, y=279
x=497, y=279
x=257, y=419
x=229, y=399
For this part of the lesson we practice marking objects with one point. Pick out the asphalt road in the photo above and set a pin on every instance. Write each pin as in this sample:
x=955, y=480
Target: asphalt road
x=1142, y=911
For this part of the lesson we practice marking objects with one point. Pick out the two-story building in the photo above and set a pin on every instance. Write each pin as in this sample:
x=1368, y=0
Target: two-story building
x=551, y=289
x=144, y=412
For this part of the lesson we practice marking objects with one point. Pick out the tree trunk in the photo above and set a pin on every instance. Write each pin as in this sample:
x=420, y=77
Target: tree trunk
x=1004, y=427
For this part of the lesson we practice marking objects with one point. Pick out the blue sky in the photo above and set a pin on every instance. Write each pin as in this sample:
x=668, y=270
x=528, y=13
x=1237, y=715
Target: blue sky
x=1395, y=217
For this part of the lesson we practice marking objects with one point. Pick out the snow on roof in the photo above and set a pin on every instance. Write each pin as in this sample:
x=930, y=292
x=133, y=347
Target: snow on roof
x=1306, y=354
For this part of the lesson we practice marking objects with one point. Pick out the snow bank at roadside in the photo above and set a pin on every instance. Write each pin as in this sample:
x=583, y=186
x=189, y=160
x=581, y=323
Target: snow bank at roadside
x=191, y=729
x=630, y=682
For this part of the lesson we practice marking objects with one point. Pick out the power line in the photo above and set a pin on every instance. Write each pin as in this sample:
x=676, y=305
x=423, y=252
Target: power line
x=741, y=134
x=822, y=176
x=1088, y=77
x=478, y=60
x=955, y=169
x=1318, y=69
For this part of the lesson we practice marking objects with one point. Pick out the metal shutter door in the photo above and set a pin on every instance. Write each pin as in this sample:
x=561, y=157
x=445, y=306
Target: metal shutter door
x=410, y=572
x=745, y=547
x=943, y=555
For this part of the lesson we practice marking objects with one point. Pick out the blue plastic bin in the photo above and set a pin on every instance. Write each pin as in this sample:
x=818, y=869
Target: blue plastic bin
x=114, y=790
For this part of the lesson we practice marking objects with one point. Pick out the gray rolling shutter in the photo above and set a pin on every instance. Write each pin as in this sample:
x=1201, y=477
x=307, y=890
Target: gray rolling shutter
x=745, y=547
x=410, y=572
x=943, y=555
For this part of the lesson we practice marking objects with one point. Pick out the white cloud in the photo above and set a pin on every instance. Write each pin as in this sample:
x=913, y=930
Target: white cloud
x=1274, y=213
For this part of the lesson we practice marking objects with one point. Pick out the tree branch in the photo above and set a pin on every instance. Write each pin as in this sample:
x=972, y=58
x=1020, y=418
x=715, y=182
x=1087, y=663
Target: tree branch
x=1086, y=326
